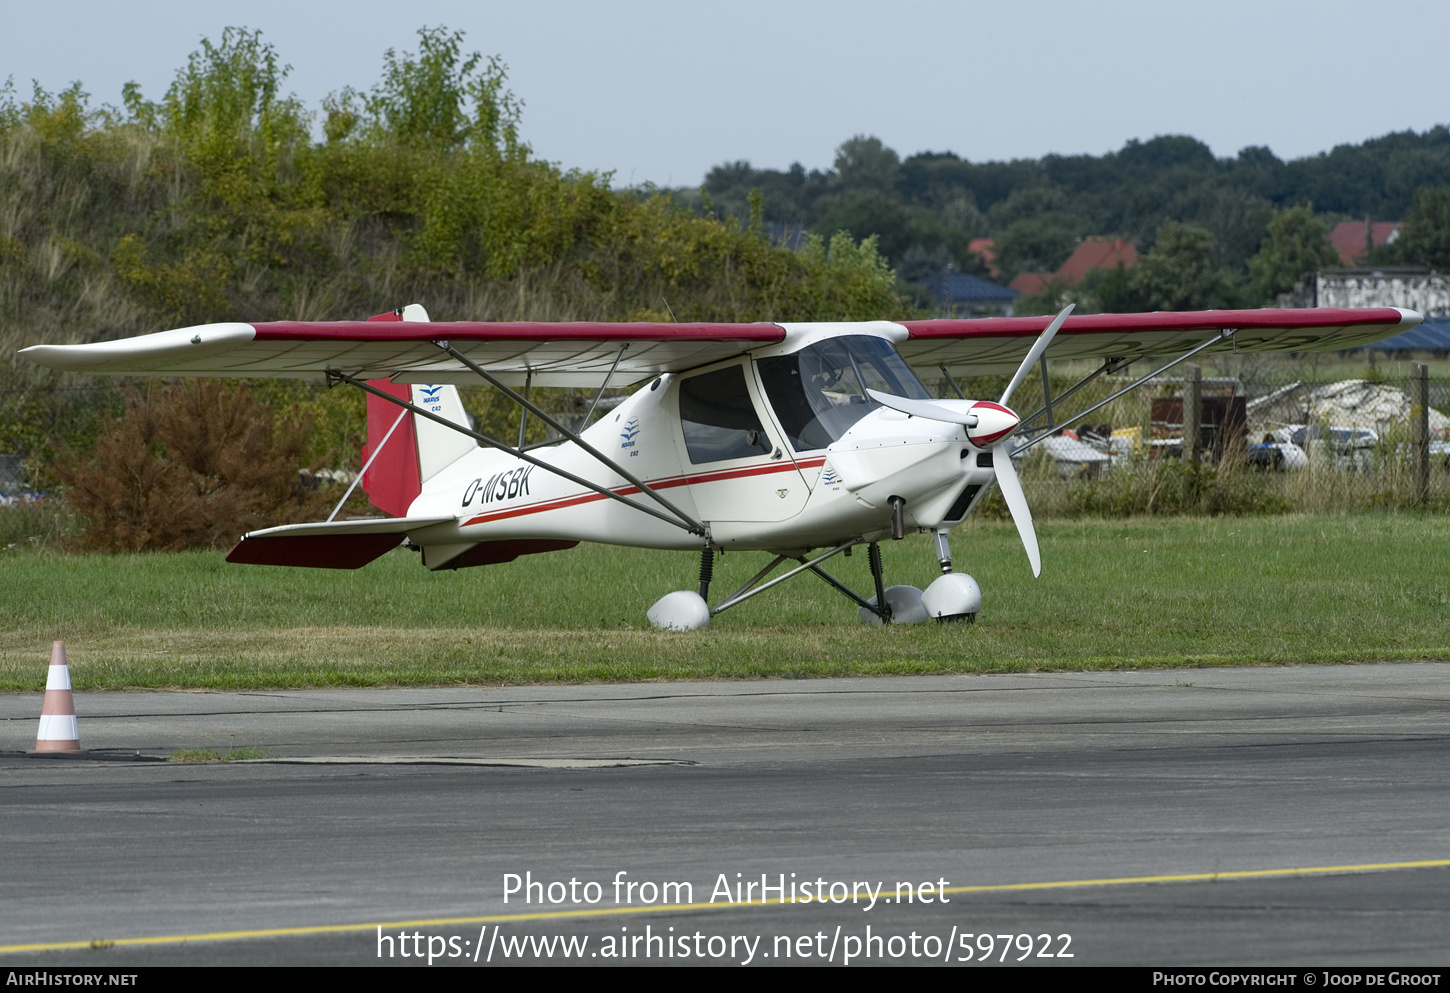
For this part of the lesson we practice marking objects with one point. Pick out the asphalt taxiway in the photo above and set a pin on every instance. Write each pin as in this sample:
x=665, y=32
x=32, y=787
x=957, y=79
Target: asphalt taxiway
x=1170, y=817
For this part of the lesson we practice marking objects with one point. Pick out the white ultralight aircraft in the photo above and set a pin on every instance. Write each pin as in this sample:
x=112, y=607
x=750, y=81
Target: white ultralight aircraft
x=801, y=440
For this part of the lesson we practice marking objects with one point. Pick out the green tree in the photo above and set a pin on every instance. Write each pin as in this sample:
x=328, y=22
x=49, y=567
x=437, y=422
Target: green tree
x=1180, y=273
x=1297, y=243
x=1036, y=244
x=1427, y=240
x=1115, y=292
x=228, y=96
x=870, y=213
x=443, y=98
x=865, y=163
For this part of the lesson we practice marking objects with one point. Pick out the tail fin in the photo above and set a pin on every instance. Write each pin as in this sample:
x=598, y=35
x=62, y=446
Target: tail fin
x=416, y=449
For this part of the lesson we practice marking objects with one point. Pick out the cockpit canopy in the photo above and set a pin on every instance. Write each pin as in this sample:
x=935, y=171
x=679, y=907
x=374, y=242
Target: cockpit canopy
x=820, y=391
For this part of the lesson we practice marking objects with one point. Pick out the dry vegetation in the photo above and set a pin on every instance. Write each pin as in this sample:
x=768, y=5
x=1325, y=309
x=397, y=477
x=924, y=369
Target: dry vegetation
x=216, y=203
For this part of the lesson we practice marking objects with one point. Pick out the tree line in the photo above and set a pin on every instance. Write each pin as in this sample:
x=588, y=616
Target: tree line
x=1227, y=231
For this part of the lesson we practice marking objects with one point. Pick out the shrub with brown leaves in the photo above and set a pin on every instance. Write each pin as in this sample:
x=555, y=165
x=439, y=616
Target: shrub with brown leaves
x=194, y=464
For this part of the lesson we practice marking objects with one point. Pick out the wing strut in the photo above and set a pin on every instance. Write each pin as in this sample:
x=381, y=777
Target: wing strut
x=531, y=408
x=684, y=522
x=943, y=367
x=1222, y=334
x=1109, y=366
x=604, y=385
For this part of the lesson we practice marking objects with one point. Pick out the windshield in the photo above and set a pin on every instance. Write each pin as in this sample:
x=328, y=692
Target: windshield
x=820, y=391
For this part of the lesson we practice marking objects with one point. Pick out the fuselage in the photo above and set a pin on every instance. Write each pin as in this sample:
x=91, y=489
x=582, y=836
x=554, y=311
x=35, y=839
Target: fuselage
x=779, y=449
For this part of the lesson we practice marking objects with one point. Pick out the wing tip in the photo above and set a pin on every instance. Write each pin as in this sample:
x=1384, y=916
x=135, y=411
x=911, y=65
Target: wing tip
x=128, y=356
x=1409, y=319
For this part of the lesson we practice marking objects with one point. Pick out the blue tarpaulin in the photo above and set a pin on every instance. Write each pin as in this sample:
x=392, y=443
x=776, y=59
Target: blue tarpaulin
x=1431, y=336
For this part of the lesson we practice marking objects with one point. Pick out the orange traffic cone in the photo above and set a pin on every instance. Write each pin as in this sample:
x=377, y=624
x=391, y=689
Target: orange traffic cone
x=58, y=730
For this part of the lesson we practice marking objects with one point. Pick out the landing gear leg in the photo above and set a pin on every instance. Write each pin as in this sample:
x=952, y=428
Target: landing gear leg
x=943, y=551
x=873, y=555
x=707, y=570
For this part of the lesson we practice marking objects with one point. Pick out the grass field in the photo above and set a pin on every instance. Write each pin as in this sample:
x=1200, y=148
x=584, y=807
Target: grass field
x=1113, y=594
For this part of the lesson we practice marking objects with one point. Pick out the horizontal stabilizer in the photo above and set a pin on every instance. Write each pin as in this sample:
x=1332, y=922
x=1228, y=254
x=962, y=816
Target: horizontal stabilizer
x=495, y=552
x=328, y=545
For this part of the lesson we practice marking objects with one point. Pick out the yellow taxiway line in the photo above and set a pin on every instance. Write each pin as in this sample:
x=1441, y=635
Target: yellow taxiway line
x=549, y=915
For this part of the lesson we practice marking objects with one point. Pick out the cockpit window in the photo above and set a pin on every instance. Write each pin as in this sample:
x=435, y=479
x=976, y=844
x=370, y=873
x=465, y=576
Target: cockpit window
x=820, y=391
x=718, y=419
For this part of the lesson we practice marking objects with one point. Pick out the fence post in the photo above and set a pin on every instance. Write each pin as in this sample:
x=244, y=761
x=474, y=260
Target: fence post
x=1420, y=429
x=1192, y=412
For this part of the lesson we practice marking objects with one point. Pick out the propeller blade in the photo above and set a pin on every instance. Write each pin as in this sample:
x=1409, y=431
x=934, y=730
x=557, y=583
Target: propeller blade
x=1038, y=347
x=1016, y=502
x=925, y=408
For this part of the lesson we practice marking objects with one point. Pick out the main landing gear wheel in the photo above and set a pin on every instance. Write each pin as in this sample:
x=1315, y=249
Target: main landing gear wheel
x=905, y=605
x=683, y=610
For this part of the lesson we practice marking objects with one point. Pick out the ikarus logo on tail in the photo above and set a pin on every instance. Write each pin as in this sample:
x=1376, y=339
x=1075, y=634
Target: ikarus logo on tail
x=431, y=400
x=627, y=436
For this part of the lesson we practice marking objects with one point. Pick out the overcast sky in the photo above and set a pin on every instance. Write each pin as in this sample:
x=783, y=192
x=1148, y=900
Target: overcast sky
x=661, y=90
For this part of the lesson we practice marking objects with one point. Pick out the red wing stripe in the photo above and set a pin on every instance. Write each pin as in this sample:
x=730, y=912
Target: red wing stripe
x=1012, y=327
x=523, y=331
x=559, y=503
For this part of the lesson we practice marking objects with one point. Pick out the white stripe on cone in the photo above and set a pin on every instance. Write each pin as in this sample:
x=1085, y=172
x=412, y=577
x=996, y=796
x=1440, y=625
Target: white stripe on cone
x=58, y=729
x=59, y=677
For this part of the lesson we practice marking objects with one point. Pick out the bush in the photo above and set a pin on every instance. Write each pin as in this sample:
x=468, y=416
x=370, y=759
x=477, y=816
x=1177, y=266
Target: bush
x=193, y=465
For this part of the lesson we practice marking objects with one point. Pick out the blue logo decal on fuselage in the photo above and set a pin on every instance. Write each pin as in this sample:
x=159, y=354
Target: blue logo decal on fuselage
x=627, y=436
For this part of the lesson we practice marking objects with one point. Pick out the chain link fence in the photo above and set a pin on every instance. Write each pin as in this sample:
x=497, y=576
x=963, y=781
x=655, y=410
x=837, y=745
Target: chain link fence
x=1242, y=433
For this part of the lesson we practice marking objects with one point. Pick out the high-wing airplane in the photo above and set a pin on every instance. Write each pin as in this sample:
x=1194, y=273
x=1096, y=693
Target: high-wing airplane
x=800, y=440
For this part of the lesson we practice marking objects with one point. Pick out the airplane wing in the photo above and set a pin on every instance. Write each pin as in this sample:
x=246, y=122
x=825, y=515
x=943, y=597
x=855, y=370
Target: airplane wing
x=998, y=344
x=581, y=354
x=577, y=354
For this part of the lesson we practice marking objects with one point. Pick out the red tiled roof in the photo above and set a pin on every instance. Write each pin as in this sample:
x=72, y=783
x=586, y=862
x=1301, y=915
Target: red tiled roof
x=987, y=249
x=1097, y=253
x=1030, y=284
x=1348, y=238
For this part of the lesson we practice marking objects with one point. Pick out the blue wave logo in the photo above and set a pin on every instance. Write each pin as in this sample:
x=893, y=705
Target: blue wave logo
x=428, y=391
x=631, y=428
x=830, y=478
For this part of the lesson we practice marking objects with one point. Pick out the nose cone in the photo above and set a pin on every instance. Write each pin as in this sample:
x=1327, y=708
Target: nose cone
x=994, y=422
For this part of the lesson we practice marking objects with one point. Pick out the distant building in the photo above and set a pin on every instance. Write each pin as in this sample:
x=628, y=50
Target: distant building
x=1353, y=239
x=987, y=249
x=1030, y=284
x=959, y=295
x=1091, y=253
x=1412, y=287
x=1097, y=253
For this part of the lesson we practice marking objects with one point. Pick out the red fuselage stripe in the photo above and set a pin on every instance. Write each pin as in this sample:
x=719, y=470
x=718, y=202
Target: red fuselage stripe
x=560, y=503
